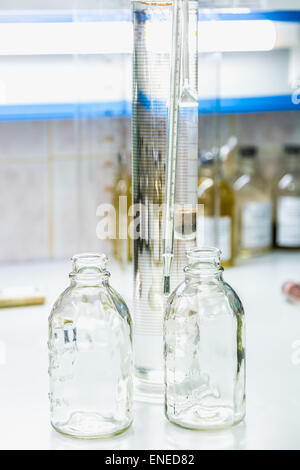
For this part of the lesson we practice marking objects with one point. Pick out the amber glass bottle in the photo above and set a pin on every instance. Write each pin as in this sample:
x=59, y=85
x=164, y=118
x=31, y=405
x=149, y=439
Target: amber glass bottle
x=129, y=218
x=217, y=199
x=122, y=200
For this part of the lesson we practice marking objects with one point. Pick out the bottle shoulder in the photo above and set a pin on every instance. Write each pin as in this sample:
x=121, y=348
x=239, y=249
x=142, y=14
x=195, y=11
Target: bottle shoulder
x=234, y=299
x=119, y=303
x=207, y=298
x=89, y=301
x=121, y=187
x=207, y=186
x=251, y=186
x=289, y=183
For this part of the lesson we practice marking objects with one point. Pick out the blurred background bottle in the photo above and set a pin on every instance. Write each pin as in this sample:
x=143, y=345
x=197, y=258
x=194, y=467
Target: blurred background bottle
x=287, y=200
x=122, y=200
x=253, y=216
x=129, y=217
x=217, y=198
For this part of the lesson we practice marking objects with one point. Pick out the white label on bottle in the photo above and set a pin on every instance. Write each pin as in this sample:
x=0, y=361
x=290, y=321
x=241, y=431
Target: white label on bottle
x=256, y=225
x=216, y=232
x=288, y=221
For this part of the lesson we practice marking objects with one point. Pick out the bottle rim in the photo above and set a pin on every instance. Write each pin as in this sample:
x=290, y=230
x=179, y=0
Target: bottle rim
x=204, y=254
x=249, y=151
x=89, y=266
x=292, y=149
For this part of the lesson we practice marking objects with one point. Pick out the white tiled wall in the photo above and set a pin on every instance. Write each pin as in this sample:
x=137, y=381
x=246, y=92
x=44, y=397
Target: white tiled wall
x=53, y=176
x=24, y=210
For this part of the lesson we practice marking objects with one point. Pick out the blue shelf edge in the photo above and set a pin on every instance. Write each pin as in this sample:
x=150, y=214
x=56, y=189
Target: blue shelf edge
x=256, y=104
x=231, y=105
x=64, y=111
x=32, y=16
x=287, y=16
x=119, y=109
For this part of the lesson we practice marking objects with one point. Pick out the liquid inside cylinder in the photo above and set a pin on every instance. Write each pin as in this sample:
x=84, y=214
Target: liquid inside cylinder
x=151, y=85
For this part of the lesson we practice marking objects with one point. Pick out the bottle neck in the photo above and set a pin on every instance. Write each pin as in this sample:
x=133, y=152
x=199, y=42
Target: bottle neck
x=204, y=274
x=204, y=265
x=215, y=171
x=293, y=163
x=207, y=171
x=248, y=166
x=88, y=281
x=89, y=270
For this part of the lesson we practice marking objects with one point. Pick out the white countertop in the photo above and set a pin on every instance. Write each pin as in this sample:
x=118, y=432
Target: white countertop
x=273, y=367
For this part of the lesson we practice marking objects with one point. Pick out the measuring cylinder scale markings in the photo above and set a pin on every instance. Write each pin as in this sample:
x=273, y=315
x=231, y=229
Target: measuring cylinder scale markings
x=153, y=129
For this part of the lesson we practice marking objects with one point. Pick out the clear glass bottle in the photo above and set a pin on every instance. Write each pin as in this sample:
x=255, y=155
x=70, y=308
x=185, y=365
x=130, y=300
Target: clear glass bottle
x=90, y=355
x=204, y=334
x=287, y=199
x=217, y=198
x=253, y=214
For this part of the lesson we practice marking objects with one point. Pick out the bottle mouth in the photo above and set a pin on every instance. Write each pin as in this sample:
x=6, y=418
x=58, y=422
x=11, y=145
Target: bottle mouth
x=89, y=265
x=205, y=254
x=205, y=260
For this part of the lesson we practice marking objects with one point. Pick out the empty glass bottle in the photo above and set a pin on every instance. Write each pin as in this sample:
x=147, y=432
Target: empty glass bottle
x=204, y=334
x=90, y=354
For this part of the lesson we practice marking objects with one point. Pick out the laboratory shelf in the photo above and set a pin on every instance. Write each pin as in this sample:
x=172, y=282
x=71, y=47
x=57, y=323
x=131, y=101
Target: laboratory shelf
x=255, y=104
x=118, y=109
x=287, y=16
x=64, y=111
x=233, y=105
x=273, y=366
x=66, y=16
x=123, y=109
x=63, y=16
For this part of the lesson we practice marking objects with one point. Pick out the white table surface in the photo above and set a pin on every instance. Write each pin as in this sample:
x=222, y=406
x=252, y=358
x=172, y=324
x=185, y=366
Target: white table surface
x=273, y=367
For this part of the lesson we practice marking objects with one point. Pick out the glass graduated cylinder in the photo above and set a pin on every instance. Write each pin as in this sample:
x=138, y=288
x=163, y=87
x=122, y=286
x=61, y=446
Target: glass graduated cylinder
x=187, y=167
x=151, y=76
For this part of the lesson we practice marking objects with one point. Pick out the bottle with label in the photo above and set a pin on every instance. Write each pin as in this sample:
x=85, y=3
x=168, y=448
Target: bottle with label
x=216, y=204
x=253, y=216
x=287, y=198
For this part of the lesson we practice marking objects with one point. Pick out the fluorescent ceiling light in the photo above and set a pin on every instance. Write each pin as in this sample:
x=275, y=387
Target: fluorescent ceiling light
x=219, y=36
x=230, y=36
x=115, y=37
x=66, y=38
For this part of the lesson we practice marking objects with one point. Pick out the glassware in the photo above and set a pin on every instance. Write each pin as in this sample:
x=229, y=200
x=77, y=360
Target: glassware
x=253, y=214
x=287, y=199
x=152, y=22
x=204, y=334
x=129, y=218
x=217, y=198
x=122, y=200
x=90, y=355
